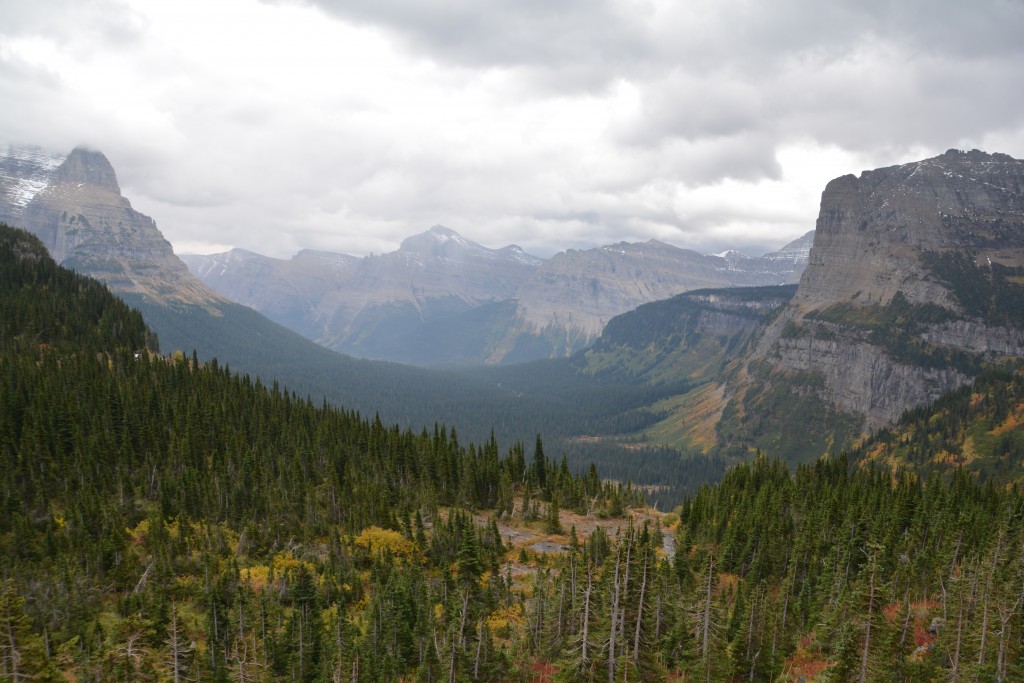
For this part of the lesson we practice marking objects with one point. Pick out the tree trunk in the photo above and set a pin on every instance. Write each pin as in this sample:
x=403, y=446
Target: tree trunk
x=640, y=615
x=584, y=655
x=705, y=625
x=614, y=618
x=867, y=626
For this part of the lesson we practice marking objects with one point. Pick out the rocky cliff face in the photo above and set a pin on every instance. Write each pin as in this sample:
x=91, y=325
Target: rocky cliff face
x=75, y=207
x=914, y=279
x=873, y=230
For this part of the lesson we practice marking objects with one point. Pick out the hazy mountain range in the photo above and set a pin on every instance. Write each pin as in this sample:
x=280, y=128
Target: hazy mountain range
x=441, y=298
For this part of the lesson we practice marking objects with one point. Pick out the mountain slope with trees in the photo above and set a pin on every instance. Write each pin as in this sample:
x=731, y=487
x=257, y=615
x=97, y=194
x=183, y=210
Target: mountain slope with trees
x=161, y=519
x=978, y=427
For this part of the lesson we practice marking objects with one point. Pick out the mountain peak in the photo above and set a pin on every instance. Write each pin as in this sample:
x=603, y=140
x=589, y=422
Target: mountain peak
x=90, y=167
x=436, y=241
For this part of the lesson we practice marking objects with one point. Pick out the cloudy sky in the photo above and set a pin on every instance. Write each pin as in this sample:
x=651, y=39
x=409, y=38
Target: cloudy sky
x=553, y=124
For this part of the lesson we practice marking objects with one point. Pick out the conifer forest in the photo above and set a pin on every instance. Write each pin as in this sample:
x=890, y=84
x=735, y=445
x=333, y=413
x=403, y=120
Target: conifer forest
x=168, y=520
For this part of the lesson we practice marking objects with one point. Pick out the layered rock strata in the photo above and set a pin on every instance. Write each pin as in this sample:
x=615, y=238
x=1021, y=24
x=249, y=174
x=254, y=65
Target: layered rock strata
x=895, y=306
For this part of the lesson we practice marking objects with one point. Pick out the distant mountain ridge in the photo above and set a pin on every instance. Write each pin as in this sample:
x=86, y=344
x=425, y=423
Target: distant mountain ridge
x=76, y=210
x=501, y=305
x=915, y=282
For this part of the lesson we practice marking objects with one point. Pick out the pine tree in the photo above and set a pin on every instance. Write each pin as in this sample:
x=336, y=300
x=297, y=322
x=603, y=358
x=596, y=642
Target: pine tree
x=20, y=656
x=540, y=465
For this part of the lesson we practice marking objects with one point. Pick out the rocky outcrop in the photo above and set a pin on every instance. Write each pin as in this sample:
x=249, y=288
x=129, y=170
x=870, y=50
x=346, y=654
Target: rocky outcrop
x=970, y=335
x=872, y=231
x=76, y=209
x=895, y=305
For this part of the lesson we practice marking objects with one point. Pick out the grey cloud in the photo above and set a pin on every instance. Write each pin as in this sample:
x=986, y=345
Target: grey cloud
x=721, y=86
x=934, y=102
x=635, y=38
x=862, y=75
x=691, y=106
x=507, y=32
x=75, y=22
x=747, y=156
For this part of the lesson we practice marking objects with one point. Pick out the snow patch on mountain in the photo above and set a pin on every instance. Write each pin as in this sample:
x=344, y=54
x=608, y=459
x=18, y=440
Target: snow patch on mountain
x=24, y=173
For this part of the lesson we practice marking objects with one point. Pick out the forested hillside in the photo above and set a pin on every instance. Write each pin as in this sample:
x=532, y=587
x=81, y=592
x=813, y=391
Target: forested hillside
x=158, y=518
x=978, y=427
x=840, y=573
x=162, y=520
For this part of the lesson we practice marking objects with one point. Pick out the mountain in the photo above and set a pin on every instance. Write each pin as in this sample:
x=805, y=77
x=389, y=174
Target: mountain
x=380, y=306
x=915, y=280
x=73, y=204
x=76, y=209
x=442, y=299
x=789, y=261
x=124, y=248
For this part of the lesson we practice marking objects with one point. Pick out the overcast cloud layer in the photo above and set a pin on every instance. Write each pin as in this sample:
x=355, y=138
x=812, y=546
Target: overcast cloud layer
x=346, y=126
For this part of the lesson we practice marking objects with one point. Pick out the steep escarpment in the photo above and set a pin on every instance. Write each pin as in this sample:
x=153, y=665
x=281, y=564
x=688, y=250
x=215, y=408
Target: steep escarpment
x=77, y=210
x=874, y=232
x=914, y=281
